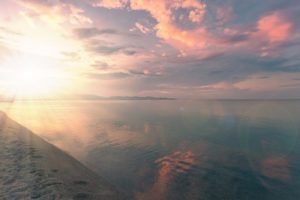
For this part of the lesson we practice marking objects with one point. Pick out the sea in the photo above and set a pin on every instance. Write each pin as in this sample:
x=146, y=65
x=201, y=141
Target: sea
x=177, y=149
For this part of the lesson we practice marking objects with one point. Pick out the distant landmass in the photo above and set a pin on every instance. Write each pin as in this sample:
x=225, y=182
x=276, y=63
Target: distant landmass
x=95, y=97
x=84, y=97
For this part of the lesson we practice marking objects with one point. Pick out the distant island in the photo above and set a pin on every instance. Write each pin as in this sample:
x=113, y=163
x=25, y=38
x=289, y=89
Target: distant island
x=95, y=97
x=84, y=97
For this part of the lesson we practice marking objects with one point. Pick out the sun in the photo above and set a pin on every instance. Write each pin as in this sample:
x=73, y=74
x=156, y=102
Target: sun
x=32, y=77
x=33, y=81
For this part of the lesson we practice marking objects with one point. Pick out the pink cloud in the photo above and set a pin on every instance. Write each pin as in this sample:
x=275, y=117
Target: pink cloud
x=270, y=30
x=196, y=16
x=275, y=28
x=198, y=9
x=167, y=30
x=188, y=41
x=55, y=12
x=142, y=28
x=110, y=3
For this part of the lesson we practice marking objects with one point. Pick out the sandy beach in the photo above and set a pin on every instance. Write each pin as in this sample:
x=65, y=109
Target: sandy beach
x=31, y=168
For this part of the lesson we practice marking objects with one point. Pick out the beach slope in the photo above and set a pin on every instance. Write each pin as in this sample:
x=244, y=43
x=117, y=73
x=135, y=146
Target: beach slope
x=31, y=168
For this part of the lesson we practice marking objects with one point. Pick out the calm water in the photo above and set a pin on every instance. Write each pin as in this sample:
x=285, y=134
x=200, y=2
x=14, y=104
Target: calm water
x=178, y=149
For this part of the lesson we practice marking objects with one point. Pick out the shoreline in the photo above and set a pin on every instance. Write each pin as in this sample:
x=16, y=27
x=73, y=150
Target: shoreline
x=31, y=168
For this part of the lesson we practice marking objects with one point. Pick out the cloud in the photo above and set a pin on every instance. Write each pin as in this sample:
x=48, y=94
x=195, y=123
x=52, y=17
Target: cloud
x=71, y=55
x=202, y=46
x=275, y=28
x=9, y=31
x=269, y=64
x=100, y=65
x=108, y=76
x=291, y=85
x=218, y=86
x=190, y=28
x=224, y=13
x=107, y=48
x=129, y=52
x=6, y=47
x=109, y=3
x=232, y=36
x=215, y=76
x=83, y=33
x=142, y=28
x=166, y=29
x=272, y=34
x=4, y=52
x=145, y=72
x=55, y=12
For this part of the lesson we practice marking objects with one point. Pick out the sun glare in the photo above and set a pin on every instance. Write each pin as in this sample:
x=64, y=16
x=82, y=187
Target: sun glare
x=33, y=77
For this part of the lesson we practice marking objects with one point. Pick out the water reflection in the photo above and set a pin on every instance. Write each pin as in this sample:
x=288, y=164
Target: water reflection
x=169, y=166
x=276, y=167
x=178, y=149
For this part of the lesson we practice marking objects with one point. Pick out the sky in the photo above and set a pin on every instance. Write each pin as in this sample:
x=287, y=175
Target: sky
x=167, y=48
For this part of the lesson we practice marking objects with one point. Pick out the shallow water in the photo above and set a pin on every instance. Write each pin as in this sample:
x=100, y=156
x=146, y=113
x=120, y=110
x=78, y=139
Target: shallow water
x=178, y=149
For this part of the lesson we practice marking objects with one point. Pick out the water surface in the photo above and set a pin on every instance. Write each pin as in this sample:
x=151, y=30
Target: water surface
x=178, y=149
